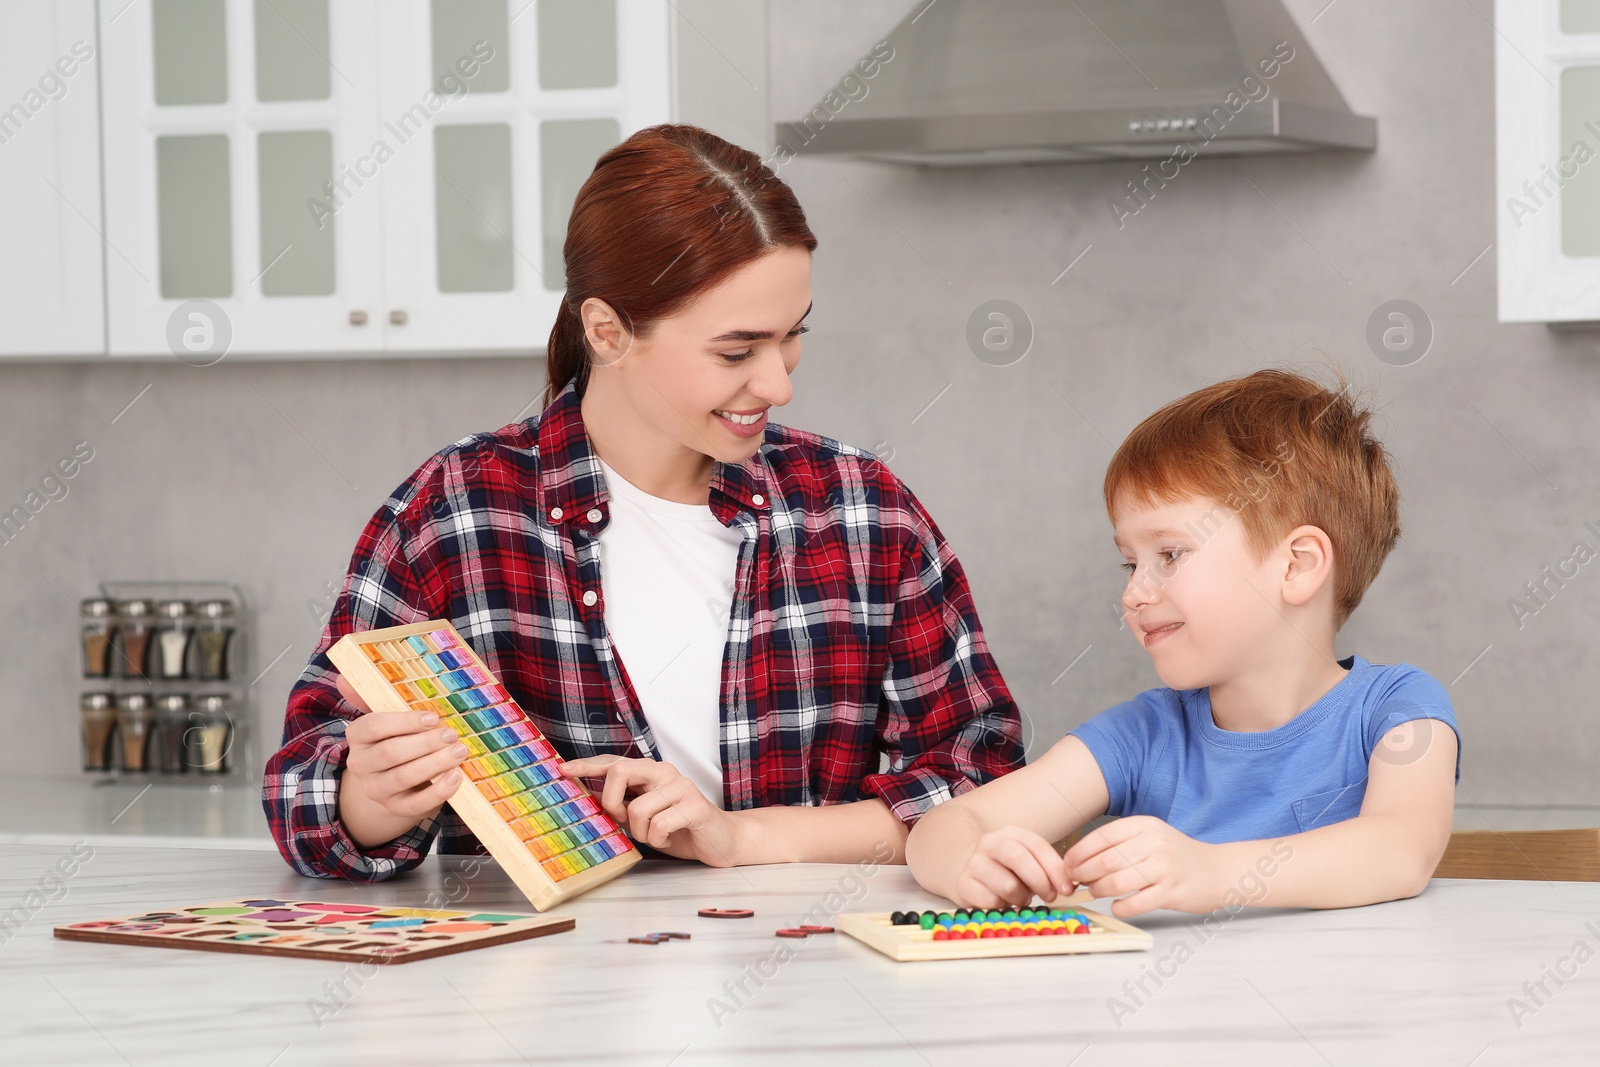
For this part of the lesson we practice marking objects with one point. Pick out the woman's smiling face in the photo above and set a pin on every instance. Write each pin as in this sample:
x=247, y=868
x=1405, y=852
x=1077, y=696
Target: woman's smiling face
x=706, y=377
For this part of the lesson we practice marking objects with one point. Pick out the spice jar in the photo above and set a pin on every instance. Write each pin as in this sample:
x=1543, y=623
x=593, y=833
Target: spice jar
x=210, y=738
x=135, y=717
x=172, y=726
x=134, y=656
x=99, y=714
x=99, y=635
x=174, y=633
x=214, y=631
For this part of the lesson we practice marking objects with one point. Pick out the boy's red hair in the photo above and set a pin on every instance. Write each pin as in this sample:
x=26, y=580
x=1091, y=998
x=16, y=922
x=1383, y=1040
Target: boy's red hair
x=1282, y=451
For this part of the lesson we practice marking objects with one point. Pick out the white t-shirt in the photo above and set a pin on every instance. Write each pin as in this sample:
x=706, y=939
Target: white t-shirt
x=668, y=570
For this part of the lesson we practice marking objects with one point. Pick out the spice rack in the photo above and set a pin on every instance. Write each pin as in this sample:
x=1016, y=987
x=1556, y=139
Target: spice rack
x=166, y=683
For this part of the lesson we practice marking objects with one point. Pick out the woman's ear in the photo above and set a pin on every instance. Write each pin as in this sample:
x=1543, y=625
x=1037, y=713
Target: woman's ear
x=1310, y=564
x=607, y=337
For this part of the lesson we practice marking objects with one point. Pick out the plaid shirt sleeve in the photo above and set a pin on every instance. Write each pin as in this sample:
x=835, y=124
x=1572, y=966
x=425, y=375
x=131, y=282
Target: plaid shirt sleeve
x=946, y=718
x=301, y=788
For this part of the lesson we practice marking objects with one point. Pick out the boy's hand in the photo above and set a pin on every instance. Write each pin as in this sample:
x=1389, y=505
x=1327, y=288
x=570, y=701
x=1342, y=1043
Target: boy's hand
x=1009, y=867
x=1150, y=865
x=657, y=805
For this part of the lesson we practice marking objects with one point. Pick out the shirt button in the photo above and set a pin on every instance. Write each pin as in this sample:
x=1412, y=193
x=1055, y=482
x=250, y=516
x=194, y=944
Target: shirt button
x=589, y=597
x=594, y=515
x=555, y=514
x=758, y=500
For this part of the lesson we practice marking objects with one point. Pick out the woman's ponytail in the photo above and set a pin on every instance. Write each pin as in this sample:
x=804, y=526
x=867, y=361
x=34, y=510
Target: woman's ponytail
x=568, y=355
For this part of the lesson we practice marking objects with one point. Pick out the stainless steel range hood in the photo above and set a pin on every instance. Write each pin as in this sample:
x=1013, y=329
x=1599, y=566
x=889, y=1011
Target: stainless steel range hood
x=1043, y=81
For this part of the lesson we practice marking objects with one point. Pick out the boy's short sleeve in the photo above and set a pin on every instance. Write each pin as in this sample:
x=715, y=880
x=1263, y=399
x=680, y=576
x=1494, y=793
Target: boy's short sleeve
x=1408, y=695
x=1130, y=742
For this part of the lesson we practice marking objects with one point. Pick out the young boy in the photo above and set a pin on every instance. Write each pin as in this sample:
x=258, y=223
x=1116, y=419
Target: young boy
x=1251, y=515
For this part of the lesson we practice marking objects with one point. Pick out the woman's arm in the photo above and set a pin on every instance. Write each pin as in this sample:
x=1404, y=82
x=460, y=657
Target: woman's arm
x=657, y=805
x=318, y=807
x=946, y=719
x=836, y=833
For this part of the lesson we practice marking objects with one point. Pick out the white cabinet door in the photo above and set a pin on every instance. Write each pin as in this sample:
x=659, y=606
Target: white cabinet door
x=50, y=249
x=353, y=176
x=496, y=111
x=1547, y=75
x=234, y=132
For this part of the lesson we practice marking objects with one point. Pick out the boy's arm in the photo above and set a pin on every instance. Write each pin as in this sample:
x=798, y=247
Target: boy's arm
x=1387, y=852
x=992, y=846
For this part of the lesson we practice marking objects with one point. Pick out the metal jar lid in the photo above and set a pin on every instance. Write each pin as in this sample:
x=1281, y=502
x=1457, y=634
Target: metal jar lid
x=173, y=609
x=134, y=609
x=172, y=703
x=96, y=701
x=133, y=702
x=214, y=703
x=96, y=608
x=214, y=609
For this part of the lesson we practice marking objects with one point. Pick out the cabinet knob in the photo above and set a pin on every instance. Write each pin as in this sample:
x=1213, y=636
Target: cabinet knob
x=358, y=318
x=397, y=317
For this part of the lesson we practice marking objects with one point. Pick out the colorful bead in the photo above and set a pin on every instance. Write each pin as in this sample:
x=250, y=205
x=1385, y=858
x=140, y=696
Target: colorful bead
x=964, y=925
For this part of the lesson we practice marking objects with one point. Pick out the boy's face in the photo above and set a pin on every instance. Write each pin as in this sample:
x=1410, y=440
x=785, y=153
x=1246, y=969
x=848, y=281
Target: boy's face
x=1197, y=599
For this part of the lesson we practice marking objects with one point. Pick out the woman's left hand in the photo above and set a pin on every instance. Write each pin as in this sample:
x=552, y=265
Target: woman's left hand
x=657, y=805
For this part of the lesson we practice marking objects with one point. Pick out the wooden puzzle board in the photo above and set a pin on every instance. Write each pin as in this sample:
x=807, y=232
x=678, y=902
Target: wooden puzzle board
x=912, y=943
x=310, y=929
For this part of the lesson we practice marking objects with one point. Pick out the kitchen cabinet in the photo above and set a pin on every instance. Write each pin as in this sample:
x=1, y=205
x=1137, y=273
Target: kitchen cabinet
x=51, y=256
x=1547, y=124
x=347, y=176
x=322, y=178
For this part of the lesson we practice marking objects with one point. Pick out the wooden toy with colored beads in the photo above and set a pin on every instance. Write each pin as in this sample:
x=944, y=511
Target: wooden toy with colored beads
x=962, y=933
x=546, y=831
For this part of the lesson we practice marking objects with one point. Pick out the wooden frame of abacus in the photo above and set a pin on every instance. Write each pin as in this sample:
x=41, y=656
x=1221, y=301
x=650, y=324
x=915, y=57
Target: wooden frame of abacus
x=351, y=655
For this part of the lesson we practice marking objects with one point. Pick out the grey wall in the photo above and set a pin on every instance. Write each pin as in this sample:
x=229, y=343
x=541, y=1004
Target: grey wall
x=1494, y=430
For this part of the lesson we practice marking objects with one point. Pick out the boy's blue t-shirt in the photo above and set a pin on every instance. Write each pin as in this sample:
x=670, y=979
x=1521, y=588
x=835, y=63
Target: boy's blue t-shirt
x=1161, y=754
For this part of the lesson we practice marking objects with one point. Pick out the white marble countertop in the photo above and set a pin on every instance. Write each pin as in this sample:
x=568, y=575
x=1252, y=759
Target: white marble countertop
x=133, y=810
x=1422, y=981
x=61, y=809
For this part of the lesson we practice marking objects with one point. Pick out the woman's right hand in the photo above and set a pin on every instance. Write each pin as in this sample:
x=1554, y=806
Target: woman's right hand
x=401, y=768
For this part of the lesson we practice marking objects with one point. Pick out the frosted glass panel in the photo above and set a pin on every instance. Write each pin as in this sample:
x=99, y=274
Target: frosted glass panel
x=1580, y=16
x=292, y=50
x=577, y=44
x=463, y=33
x=567, y=153
x=195, y=216
x=472, y=203
x=296, y=242
x=191, y=51
x=1580, y=197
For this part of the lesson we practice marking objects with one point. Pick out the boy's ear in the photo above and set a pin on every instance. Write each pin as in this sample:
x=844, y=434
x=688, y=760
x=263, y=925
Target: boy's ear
x=1309, y=566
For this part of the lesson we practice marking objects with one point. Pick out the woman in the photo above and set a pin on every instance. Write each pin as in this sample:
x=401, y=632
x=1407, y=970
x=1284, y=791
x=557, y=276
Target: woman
x=728, y=621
